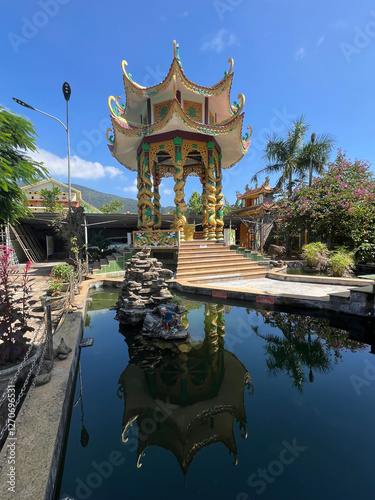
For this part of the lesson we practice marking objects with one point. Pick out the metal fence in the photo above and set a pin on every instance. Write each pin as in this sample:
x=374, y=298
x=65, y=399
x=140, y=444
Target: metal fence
x=40, y=348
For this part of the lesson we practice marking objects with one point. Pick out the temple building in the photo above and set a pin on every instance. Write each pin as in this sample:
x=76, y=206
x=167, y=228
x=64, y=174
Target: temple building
x=35, y=200
x=255, y=207
x=175, y=129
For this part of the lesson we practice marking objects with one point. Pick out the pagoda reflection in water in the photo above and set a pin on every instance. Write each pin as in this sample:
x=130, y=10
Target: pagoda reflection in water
x=186, y=396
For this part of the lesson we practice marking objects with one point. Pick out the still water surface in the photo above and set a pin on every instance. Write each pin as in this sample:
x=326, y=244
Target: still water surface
x=258, y=404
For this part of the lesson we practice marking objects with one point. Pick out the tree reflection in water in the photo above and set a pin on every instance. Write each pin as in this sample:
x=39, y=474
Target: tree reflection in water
x=306, y=344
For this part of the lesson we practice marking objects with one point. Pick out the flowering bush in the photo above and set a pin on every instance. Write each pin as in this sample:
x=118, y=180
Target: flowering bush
x=339, y=206
x=15, y=291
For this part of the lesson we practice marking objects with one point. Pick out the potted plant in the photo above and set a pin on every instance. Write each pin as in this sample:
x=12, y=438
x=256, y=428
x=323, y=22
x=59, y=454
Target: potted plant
x=62, y=272
x=54, y=293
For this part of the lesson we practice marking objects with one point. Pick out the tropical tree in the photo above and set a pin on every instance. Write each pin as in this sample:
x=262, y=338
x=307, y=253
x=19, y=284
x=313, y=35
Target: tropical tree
x=195, y=205
x=50, y=199
x=113, y=207
x=16, y=139
x=291, y=156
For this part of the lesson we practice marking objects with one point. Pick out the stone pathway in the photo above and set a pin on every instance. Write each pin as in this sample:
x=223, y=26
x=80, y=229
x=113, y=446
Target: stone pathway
x=275, y=287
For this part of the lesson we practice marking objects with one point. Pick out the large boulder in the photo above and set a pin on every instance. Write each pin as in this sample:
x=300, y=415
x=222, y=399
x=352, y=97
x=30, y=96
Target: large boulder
x=276, y=251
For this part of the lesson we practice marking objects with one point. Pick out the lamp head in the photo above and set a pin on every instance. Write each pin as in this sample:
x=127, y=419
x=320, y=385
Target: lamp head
x=66, y=91
x=21, y=103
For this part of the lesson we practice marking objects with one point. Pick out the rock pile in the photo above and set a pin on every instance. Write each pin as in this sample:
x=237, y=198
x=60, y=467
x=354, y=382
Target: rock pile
x=143, y=288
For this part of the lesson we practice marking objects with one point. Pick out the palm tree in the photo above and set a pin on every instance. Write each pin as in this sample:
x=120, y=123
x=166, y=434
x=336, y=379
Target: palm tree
x=291, y=156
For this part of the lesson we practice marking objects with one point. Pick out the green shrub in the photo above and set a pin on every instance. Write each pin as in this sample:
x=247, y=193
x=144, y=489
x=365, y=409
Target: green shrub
x=340, y=262
x=315, y=254
x=365, y=252
x=62, y=272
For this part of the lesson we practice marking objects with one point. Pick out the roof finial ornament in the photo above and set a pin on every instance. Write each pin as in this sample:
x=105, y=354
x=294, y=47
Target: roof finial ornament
x=123, y=67
x=231, y=62
x=174, y=49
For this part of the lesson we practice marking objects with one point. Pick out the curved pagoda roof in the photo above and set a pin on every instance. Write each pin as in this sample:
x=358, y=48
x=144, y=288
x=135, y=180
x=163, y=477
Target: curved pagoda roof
x=225, y=127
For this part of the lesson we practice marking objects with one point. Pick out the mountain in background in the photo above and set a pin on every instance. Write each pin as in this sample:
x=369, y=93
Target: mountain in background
x=98, y=199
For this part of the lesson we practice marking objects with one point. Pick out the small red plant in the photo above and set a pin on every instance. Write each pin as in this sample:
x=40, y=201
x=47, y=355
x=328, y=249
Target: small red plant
x=15, y=291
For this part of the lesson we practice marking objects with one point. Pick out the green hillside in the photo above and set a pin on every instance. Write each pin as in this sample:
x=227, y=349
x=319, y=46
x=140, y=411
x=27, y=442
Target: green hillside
x=98, y=199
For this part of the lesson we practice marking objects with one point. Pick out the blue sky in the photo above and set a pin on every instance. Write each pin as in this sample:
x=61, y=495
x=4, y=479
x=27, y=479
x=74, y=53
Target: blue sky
x=291, y=57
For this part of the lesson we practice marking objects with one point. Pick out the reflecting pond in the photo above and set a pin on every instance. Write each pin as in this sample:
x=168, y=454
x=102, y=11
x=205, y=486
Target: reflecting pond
x=256, y=402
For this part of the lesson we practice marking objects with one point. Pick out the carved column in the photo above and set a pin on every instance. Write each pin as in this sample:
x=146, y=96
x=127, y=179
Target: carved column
x=179, y=217
x=147, y=207
x=211, y=192
x=139, y=190
x=157, y=213
x=204, y=202
x=219, y=202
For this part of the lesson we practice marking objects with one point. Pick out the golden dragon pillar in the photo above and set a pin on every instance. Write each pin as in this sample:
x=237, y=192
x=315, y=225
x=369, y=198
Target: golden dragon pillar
x=146, y=193
x=219, y=202
x=211, y=192
x=181, y=207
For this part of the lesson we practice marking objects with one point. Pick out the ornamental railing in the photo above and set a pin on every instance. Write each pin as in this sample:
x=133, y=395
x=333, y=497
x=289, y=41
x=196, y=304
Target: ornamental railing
x=156, y=239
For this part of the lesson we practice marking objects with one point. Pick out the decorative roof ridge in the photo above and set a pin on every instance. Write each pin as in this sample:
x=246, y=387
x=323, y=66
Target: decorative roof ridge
x=53, y=180
x=262, y=189
x=175, y=107
x=174, y=68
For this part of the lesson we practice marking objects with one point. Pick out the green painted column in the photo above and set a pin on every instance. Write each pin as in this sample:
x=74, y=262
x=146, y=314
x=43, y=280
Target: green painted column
x=181, y=208
x=219, y=203
x=147, y=206
x=211, y=192
x=157, y=206
x=139, y=191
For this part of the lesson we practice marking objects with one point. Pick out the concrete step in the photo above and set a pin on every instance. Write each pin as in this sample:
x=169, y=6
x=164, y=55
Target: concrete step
x=225, y=277
x=209, y=256
x=219, y=271
x=103, y=262
x=195, y=264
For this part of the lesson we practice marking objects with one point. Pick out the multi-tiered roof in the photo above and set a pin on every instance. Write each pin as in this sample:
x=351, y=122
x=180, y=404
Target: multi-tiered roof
x=177, y=104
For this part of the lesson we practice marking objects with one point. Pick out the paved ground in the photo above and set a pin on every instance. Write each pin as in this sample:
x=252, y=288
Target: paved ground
x=276, y=287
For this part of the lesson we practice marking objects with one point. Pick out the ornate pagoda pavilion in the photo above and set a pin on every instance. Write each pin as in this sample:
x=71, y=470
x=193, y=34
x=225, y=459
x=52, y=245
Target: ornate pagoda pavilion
x=175, y=129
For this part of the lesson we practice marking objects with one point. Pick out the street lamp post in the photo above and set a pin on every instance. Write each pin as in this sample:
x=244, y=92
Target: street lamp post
x=66, y=91
x=313, y=137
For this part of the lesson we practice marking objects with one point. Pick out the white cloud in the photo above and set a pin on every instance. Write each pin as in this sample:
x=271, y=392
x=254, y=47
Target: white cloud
x=132, y=188
x=79, y=168
x=300, y=53
x=167, y=191
x=321, y=40
x=184, y=14
x=220, y=41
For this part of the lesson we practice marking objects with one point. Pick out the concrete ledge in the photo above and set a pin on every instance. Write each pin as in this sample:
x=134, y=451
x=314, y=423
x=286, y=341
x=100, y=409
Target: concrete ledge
x=319, y=280
x=41, y=434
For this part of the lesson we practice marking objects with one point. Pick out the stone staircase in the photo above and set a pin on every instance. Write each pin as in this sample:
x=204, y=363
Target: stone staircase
x=112, y=263
x=202, y=260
